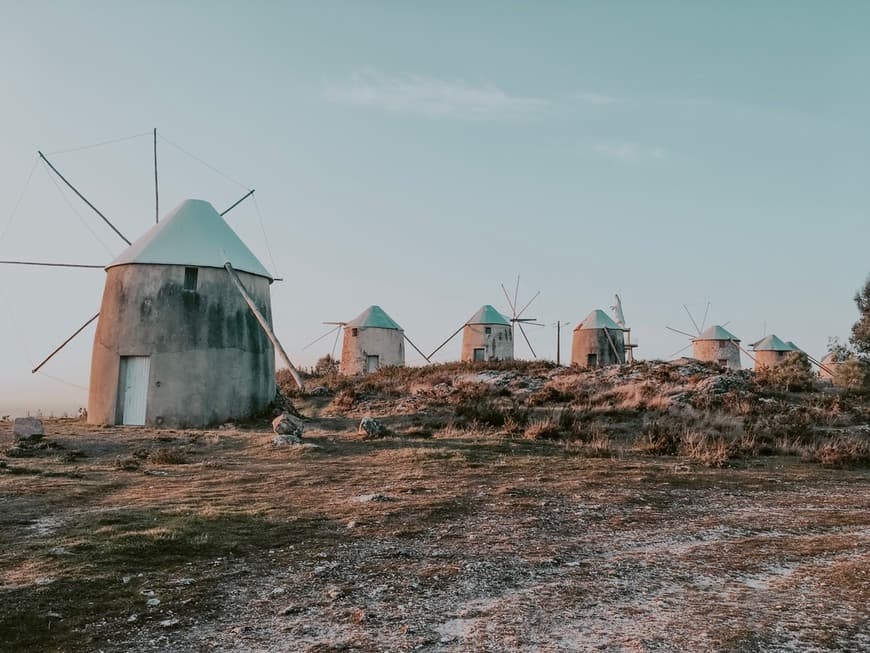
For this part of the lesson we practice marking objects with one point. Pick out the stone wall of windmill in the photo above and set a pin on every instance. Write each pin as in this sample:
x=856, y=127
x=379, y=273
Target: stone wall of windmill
x=495, y=340
x=598, y=341
x=724, y=352
x=362, y=345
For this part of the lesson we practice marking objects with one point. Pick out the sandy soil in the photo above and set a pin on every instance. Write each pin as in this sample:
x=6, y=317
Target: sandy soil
x=133, y=539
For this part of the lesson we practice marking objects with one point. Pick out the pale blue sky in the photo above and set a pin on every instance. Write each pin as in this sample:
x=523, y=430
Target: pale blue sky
x=417, y=155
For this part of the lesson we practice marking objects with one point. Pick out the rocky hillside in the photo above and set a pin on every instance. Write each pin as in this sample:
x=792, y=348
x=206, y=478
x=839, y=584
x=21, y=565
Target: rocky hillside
x=683, y=407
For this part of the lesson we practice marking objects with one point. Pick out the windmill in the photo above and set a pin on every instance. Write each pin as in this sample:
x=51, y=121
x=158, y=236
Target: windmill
x=489, y=334
x=371, y=340
x=714, y=344
x=177, y=375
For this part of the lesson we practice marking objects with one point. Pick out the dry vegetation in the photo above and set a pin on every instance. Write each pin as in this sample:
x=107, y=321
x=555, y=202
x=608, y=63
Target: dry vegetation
x=516, y=507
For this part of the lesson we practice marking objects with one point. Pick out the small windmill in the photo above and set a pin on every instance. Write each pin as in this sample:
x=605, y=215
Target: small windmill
x=489, y=335
x=372, y=351
x=714, y=343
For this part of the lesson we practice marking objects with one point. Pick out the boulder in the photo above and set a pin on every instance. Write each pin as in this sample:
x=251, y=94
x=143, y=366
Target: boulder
x=27, y=429
x=288, y=429
x=370, y=427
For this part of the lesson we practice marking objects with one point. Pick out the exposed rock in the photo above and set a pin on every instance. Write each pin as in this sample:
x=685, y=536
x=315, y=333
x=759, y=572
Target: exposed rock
x=27, y=429
x=370, y=427
x=288, y=429
x=320, y=391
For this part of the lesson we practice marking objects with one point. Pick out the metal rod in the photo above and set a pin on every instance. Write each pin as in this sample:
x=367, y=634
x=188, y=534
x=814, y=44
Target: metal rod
x=508, y=297
x=452, y=336
x=704, y=321
x=416, y=348
x=335, y=342
x=318, y=339
x=264, y=324
x=520, y=314
x=693, y=319
x=156, y=191
x=558, y=341
x=523, y=331
x=246, y=196
x=63, y=344
x=681, y=332
x=54, y=265
x=83, y=198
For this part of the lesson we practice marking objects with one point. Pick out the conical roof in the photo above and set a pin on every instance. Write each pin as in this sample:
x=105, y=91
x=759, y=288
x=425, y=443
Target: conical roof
x=716, y=332
x=770, y=343
x=792, y=346
x=194, y=234
x=374, y=317
x=598, y=319
x=488, y=315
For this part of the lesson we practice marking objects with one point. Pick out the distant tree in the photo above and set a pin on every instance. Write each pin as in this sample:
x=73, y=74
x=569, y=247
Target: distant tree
x=850, y=374
x=861, y=330
x=839, y=351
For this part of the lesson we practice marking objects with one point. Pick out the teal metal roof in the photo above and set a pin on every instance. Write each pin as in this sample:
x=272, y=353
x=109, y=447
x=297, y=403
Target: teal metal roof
x=374, y=317
x=194, y=234
x=770, y=343
x=488, y=315
x=598, y=319
x=717, y=332
x=792, y=346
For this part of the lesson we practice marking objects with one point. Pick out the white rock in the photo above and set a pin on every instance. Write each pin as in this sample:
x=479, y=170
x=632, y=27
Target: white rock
x=27, y=428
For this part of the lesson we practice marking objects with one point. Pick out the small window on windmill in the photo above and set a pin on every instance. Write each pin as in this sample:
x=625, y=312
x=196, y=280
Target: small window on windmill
x=487, y=330
x=190, y=278
x=354, y=332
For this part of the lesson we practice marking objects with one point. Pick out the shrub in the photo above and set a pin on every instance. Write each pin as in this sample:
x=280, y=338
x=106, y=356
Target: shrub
x=793, y=374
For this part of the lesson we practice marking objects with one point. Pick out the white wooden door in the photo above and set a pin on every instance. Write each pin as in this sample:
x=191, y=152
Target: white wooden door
x=373, y=363
x=135, y=390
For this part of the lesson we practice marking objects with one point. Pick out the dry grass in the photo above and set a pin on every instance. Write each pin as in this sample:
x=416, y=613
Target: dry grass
x=516, y=540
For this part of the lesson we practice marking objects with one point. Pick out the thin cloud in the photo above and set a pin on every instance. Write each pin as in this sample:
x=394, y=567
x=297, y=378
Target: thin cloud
x=430, y=97
x=627, y=151
x=598, y=99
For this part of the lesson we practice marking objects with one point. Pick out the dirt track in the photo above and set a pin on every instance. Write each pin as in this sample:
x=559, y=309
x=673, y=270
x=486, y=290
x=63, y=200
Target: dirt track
x=429, y=544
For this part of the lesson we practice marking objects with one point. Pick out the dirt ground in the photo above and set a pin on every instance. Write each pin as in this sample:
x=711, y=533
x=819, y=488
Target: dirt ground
x=135, y=539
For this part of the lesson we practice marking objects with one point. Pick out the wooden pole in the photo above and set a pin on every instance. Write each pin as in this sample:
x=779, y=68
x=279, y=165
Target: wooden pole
x=612, y=345
x=558, y=342
x=63, y=344
x=264, y=324
x=156, y=191
x=437, y=349
x=83, y=198
x=416, y=348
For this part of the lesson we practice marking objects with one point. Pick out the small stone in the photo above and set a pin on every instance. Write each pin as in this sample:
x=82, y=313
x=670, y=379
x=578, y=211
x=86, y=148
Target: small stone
x=132, y=618
x=319, y=391
x=351, y=523
x=291, y=609
x=153, y=602
x=27, y=429
x=168, y=623
x=370, y=427
x=288, y=429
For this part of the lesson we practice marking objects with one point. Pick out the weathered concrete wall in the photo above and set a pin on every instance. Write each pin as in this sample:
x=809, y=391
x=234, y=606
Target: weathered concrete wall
x=210, y=360
x=498, y=344
x=768, y=358
x=716, y=351
x=388, y=344
x=594, y=341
